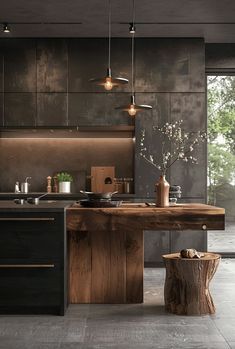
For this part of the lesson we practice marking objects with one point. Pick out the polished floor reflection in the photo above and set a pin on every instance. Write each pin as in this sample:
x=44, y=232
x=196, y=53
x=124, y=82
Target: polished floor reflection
x=142, y=326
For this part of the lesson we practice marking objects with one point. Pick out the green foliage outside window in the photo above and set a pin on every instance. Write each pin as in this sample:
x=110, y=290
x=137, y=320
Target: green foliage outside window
x=221, y=134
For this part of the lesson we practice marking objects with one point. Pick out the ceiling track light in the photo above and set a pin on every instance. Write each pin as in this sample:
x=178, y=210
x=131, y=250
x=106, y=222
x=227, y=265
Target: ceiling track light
x=108, y=82
x=132, y=28
x=133, y=108
x=6, y=28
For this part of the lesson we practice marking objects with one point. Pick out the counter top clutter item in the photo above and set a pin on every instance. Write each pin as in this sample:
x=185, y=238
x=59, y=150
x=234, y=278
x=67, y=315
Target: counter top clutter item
x=99, y=203
x=177, y=145
x=174, y=194
x=98, y=196
x=49, y=184
x=102, y=179
x=186, y=289
x=64, y=179
x=25, y=185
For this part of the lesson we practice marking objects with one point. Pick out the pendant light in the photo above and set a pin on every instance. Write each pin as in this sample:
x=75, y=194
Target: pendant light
x=109, y=82
x=133, y=108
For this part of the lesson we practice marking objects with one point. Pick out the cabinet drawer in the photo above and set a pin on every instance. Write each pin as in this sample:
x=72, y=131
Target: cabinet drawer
x=31, y=236
x=27, y=284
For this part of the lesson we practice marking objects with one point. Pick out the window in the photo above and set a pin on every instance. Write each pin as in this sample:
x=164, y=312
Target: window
x=221, y=158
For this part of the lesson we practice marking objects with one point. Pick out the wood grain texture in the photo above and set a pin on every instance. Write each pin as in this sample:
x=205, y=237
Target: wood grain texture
x=97, y=261
x=79, y=267
x=141, y=217
x=102, y=179
x=113, y=262
x=100, y=267
x=134, y=266
x=186, y=290
x=117, y=287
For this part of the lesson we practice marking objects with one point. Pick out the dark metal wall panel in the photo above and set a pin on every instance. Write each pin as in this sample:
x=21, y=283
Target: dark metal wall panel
x=19, y=109
x=52, y=109
x=1, y=69
x=20, y=65
x=52, y=65
x=220, y=57
x=189, y=107
x=188, y=239
x=1, y=109
x=176, y=68
x=156, y=243
x=168, y=65
x=97, y=109
x=191, y=177
x=89, y=59
x=147, y=175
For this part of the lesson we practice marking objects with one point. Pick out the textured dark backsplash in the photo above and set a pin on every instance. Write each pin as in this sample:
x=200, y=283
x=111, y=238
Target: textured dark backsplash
x=40, y=158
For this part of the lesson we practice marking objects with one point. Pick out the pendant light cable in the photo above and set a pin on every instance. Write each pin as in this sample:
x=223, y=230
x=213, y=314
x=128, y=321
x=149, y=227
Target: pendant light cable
x=132, y=64
x=108, y=81
x=109, y=55
x=133, y=108
x=132, y=49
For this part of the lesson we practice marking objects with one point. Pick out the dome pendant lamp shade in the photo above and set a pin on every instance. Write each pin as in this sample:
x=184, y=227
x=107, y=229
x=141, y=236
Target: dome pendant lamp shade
x=133, y=108
x=108, y=82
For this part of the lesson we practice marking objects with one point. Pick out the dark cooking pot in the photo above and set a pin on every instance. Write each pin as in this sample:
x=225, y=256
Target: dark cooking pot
x=98, y=196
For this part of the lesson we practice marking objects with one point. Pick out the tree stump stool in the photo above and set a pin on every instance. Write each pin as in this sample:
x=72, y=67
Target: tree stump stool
x=186, y=290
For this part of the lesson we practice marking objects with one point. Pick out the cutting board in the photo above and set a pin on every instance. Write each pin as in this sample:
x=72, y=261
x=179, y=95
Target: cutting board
x=102, y=179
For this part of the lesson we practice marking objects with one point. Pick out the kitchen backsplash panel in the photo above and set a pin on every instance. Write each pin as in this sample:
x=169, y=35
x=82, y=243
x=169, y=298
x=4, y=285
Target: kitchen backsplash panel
x=40, y=158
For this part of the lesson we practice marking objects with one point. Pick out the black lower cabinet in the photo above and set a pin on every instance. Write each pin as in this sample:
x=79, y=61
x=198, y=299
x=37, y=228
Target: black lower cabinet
x=33, y=263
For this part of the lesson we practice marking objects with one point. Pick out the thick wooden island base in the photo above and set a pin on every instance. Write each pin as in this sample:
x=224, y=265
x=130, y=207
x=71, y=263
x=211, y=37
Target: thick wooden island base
x=106, y=246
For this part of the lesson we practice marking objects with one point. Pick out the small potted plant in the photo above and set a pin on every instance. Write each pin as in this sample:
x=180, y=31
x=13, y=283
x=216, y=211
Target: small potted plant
x=64, y=179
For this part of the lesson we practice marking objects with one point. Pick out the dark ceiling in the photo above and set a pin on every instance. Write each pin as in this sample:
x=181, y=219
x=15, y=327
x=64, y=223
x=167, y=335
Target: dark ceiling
x=212, y=19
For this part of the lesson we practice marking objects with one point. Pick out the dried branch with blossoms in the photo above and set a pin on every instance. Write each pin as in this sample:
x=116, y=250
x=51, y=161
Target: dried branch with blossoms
x=182, y=143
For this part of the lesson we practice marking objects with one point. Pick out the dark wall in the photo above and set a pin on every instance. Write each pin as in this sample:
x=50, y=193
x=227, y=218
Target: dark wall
x=220, y=58
x=40, y=158
x=45, y=83
x=174, y=81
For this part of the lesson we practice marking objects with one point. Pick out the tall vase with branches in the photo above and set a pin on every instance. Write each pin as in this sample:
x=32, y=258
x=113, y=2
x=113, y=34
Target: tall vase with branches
x=177, y=145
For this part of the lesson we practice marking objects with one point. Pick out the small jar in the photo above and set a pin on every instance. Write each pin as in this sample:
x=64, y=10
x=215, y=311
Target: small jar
x=118, y=185
x=128, y=184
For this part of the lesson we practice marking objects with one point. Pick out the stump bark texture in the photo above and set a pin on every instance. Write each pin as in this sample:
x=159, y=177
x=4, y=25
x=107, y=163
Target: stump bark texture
x=186, y=290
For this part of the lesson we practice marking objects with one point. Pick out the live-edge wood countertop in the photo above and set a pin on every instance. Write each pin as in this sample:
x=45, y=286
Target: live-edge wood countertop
x=140, y=216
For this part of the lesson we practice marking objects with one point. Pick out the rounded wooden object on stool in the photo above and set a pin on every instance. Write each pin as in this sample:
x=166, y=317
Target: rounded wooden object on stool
x=186, y=290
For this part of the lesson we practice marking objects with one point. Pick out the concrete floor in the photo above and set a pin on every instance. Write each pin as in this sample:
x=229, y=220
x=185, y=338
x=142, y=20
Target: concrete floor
x=222, y=241
x=141, y=326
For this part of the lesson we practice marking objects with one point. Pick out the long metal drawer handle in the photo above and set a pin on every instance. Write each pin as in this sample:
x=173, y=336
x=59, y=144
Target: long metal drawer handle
x=26, y=219
x=27, y=265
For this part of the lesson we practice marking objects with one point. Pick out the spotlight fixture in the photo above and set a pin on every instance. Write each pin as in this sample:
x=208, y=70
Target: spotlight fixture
x=6, y=28
x=133, y=108
x=108, y=82
x=132, y=28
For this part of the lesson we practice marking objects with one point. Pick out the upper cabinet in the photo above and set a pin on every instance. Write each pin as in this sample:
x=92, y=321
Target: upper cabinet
x=45, y=82
x=19, y=66
x=52, y=65
x=88, y=58
x=170, y=65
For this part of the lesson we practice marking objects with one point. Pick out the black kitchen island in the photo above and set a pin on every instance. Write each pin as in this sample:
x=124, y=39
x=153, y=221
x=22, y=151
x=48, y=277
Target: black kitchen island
x=33, y=257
